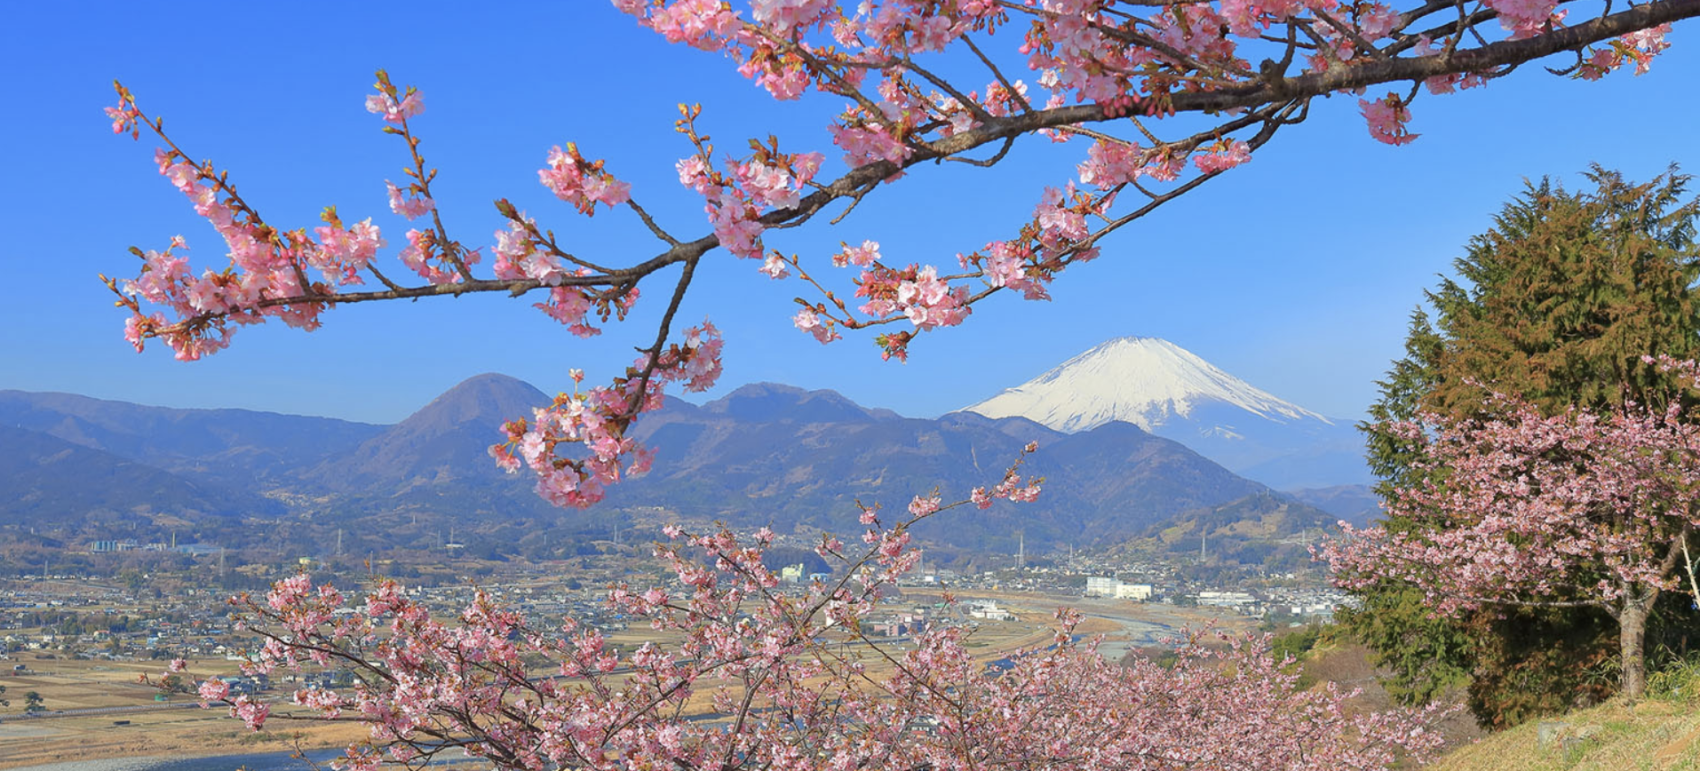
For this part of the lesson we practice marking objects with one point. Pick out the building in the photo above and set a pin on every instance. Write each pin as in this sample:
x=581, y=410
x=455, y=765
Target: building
x=989, y=610
x=1098, y=586
x=1140, y=592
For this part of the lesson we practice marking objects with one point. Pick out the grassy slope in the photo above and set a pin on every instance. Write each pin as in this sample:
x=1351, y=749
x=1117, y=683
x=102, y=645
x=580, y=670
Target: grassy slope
x=1654, y=735
x=1660, y=734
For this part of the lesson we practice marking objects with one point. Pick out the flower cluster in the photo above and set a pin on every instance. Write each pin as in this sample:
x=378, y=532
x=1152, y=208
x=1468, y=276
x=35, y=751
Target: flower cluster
x=1387, y=118
x=1639, y=47
x=916, y=292
x=582, y=183
x=593, y=423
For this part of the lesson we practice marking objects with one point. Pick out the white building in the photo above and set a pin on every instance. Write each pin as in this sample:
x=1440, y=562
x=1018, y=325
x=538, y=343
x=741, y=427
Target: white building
x=1226, y=599
x=1098, y=586
x=1134, y=591
x=989, y=610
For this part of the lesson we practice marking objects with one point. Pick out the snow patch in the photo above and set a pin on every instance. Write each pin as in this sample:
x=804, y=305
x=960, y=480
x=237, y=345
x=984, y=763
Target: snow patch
x=1146, y=381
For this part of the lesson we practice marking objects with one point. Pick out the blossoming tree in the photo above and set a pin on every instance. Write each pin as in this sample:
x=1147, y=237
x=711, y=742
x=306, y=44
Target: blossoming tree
x=760, y=678
x=792, y=693
x=1576, y=509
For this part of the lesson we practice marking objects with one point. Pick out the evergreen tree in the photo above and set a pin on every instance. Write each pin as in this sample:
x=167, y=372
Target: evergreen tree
x=1557, y=303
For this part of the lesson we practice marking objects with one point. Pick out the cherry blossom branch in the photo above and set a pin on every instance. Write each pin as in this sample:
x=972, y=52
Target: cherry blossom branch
x=1099, y=66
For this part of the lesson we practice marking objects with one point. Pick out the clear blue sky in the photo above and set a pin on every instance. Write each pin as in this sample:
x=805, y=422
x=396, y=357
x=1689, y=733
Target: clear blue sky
x=1296, y=272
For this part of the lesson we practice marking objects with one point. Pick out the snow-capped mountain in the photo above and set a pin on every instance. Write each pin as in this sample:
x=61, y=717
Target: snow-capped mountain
x=1168, y=391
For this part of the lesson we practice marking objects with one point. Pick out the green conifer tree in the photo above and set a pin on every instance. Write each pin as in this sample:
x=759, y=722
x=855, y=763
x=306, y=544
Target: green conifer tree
x=1557, y=303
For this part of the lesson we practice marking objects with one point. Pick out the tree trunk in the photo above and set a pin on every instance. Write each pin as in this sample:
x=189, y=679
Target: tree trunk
x=1632, y=632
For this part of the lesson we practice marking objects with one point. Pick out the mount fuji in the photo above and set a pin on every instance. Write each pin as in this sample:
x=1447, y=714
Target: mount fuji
x=1168, y=391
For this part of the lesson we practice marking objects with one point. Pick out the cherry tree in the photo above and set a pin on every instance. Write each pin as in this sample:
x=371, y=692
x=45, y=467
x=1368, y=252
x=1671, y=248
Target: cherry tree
x=1575, y=509
x=759, y=677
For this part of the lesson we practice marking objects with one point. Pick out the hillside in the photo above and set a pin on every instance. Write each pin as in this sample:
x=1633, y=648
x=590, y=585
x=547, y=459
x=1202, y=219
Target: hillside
x=1654, y=735
x=45, y=479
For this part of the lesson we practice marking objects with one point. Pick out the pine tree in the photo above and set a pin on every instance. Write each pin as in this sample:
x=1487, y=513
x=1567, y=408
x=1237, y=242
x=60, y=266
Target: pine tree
x=1557, y=303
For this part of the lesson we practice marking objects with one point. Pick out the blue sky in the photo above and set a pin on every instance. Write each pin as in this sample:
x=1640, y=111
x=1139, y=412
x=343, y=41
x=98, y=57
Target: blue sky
x=1297, y=272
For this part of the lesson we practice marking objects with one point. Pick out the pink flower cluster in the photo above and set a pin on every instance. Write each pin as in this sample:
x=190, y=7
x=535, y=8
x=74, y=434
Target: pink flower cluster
x=822, y=327
x=582, y=183
x=736, y=200
x=264, y=266
x=1061, y=216
x=1012, y=265
x=594, y=424
x=1387, y=118
x=1113, y=164
x=424, y=254
x=1526, y=18
x=1223, y=156
x=917, y=293
x=125, y=115
x=1249, y=18
x=394, y=110
x=412, y=205
x=1639, y=47
x=786, y=16
x=704, y=24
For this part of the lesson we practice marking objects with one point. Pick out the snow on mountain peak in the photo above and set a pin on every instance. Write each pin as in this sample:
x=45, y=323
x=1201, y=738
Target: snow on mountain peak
x=1141, y=380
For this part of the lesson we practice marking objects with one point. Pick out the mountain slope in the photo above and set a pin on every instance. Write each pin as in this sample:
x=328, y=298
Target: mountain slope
x=239, y=448
x=1168, y=391
x=804, y=458
x=44, y=478
x=1357, y=504
x=437, y=459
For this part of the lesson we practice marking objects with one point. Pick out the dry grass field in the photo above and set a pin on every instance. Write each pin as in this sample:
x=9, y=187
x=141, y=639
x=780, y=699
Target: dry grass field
x=140, y=726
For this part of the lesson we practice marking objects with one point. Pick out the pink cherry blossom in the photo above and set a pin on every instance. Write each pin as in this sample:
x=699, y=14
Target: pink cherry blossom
x=812, y=323
x=411, y=206
x=395, y=111
x=581, y=183
x=1223, y=157
x=1387, y=118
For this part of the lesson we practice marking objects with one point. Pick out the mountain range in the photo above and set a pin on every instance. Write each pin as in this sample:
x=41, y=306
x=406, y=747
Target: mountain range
x=764, y=454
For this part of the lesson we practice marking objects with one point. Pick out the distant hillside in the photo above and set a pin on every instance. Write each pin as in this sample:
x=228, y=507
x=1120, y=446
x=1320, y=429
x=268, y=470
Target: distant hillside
x=1357, y=504
x=242, y=448
x=1261, y=528
x=44, y=480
